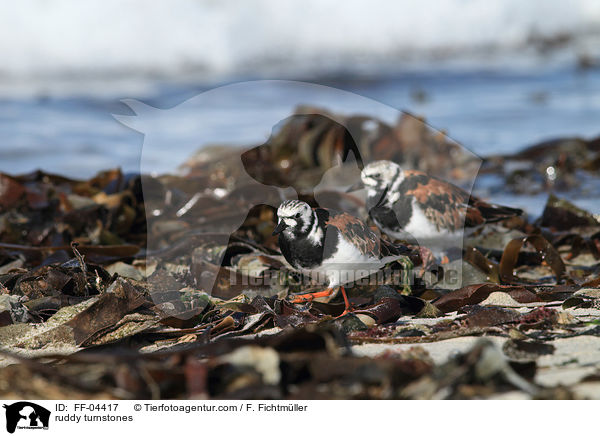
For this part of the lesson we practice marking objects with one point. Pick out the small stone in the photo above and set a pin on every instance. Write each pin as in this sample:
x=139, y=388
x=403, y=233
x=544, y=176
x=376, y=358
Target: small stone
x=366, y=319
x=15, y=264
x=264, y=360
x=588, y=292
x=125, y=270
x=11, y=310
x=80, y=202
x=565, y=318
x=500, y=299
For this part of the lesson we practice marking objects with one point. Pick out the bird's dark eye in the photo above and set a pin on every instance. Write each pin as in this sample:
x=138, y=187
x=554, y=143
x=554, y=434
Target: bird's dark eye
x=297, y=215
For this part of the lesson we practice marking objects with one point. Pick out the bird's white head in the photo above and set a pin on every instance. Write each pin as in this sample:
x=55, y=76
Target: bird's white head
x=381, y=174
x=293, y=216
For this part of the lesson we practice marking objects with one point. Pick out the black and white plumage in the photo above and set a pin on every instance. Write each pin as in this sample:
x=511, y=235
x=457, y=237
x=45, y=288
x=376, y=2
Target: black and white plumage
x=413, y=205
x=332, y=247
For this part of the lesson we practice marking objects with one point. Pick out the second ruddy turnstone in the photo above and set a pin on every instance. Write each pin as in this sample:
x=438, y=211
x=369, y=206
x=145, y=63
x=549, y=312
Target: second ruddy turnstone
x=332, y=247
x=408, y=204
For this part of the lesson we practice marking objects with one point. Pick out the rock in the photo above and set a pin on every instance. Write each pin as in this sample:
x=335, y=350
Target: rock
x=351, y=323
x=125, y=270
x=15, y=264
x=501, y=299
x=564, y=215
x=495, y=238
x=80, y=202
x=264, y=360
x=366, y=319
x=12, y=310
x=459, y=273
x=472, y=275
x=588, y=292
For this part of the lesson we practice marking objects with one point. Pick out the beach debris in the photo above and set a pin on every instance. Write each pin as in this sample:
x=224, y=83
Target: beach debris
x=172, y=286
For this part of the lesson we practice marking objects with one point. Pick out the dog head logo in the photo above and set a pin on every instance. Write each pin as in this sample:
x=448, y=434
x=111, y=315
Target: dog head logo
x=26, y=415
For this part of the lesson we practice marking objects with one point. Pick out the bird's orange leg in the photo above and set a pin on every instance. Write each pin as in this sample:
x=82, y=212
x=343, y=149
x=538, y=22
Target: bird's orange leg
x=302, y=298
x=348, y=307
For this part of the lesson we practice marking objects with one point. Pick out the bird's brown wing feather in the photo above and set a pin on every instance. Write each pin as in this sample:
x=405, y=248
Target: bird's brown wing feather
x=444, y=204
x=358, y=233
x=355, y=231
x=449, y=206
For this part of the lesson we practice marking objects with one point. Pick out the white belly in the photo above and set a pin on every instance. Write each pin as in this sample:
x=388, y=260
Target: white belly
x=346, y=266
x=425, y=233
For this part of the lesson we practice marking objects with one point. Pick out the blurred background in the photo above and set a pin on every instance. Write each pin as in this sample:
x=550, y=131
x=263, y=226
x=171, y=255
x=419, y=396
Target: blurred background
x=497, y=76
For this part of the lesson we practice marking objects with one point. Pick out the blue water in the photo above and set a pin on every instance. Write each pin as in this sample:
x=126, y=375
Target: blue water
x=488, y=112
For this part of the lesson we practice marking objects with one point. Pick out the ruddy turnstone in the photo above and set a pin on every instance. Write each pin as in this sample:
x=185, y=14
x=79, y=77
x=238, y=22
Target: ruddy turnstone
x=332, y=247
x=413, y=205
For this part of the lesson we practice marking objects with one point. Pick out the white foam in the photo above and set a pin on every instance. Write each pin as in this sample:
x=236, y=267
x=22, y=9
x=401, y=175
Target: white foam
x=107, y=38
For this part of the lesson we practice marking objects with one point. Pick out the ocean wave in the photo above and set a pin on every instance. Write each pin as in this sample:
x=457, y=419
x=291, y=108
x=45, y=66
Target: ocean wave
x=112, y=38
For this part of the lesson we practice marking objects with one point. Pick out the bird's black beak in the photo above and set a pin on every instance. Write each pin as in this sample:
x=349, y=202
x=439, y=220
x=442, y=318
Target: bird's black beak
x=279, y=228
x=356, y=187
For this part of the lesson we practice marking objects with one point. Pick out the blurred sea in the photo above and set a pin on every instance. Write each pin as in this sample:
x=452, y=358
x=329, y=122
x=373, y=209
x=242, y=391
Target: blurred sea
x=496, y=76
